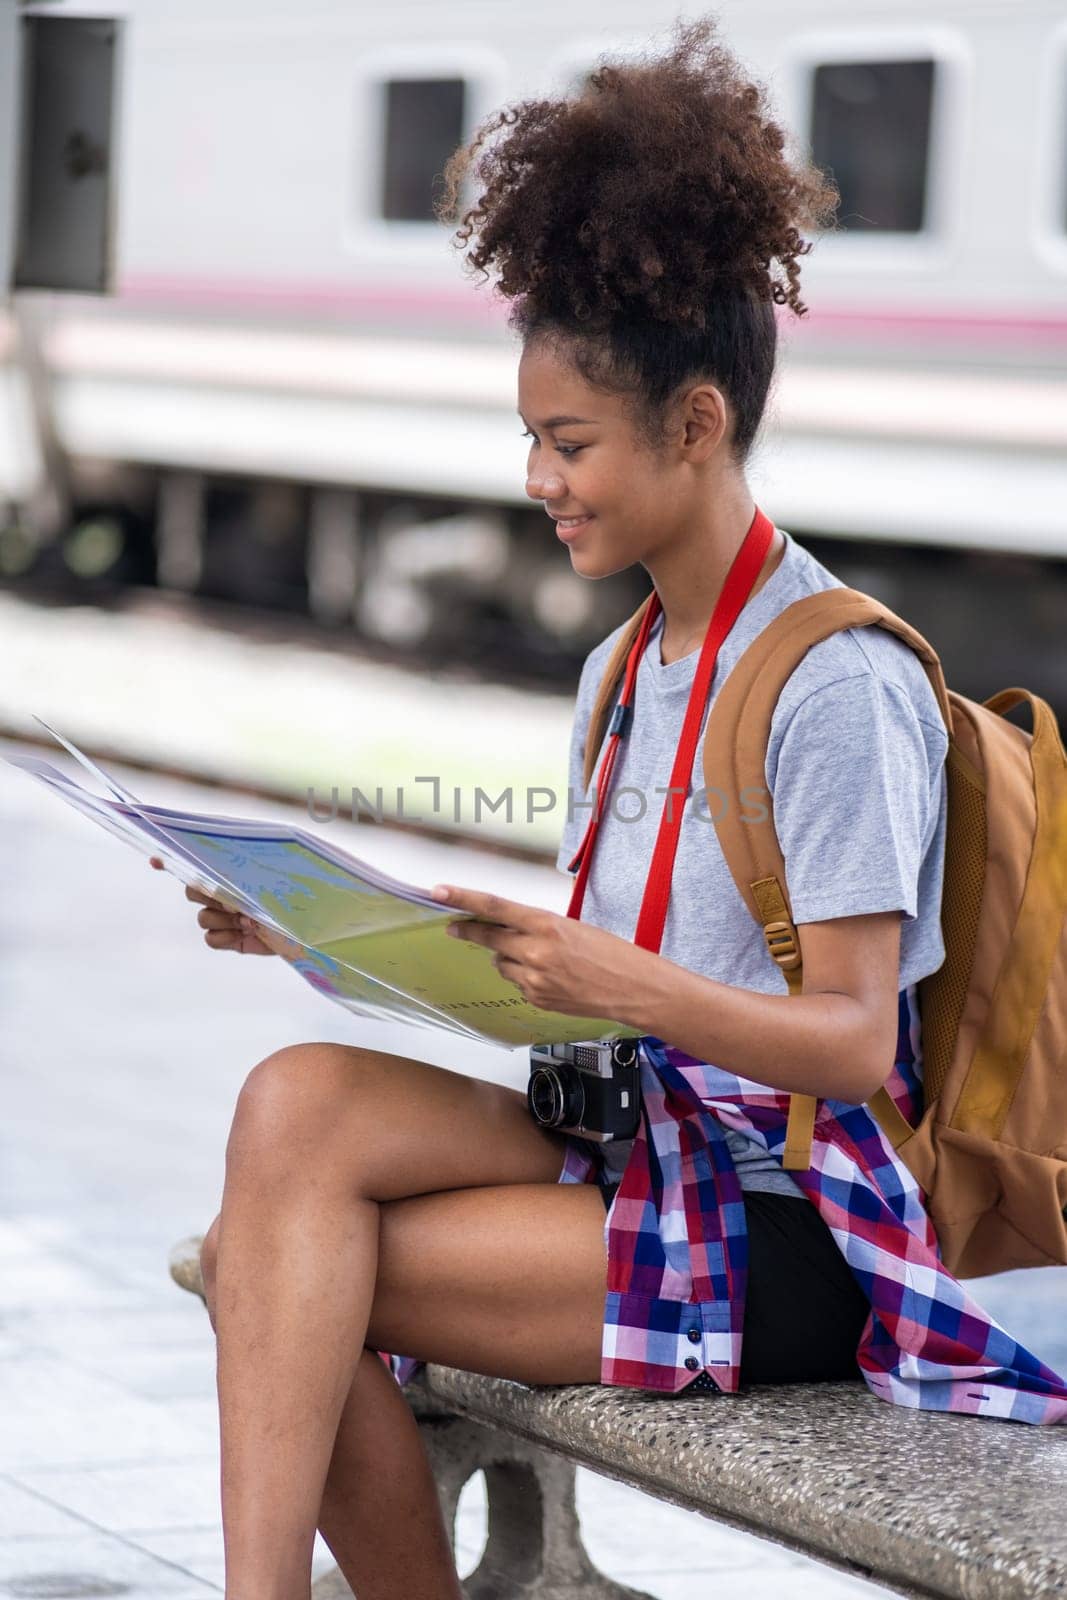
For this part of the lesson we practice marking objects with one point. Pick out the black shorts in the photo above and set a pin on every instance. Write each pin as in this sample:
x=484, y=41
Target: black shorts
x=804, y=1310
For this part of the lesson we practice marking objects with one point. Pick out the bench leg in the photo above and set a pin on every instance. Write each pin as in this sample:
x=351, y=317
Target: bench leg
x=534, y=1550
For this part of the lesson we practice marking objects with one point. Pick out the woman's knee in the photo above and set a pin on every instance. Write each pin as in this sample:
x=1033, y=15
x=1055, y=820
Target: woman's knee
x=291, y=1102
x=375, y=1126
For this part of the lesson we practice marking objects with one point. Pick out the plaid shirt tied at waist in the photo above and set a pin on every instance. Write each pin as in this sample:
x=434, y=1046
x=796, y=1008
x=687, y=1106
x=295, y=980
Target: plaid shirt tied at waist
x=678, y=1246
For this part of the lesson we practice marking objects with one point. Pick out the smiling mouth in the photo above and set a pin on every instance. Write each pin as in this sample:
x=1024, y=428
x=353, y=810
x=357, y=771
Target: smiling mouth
x=571, y=524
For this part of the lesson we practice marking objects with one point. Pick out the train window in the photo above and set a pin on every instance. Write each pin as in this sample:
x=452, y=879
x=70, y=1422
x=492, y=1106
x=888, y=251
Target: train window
x=424, y=122
x=870, y=129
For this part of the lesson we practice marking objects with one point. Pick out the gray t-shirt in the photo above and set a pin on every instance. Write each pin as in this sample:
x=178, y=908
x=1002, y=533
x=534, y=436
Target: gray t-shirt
x=855, y=765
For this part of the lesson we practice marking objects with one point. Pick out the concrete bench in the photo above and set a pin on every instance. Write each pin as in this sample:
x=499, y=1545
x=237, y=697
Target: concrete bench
x=929, y=1505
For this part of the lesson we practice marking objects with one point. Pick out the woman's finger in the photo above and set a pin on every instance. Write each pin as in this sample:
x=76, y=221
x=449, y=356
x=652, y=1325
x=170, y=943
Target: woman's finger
x=510, y=971
x=246, y=944
x=215, y=917
x=485, y=933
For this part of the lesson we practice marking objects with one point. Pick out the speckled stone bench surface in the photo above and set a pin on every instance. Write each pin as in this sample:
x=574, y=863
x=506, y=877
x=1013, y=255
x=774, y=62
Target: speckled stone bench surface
x=949, y=1507
x=930, y=1504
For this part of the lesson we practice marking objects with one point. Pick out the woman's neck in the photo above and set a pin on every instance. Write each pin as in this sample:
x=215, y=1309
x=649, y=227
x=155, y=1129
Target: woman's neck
x=689, y=578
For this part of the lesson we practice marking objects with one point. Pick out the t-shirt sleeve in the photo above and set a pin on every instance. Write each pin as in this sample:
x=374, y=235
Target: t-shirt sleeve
x=855, y=788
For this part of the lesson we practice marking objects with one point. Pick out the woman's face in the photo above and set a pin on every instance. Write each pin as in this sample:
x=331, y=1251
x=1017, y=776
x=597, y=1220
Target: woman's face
x=597, y=468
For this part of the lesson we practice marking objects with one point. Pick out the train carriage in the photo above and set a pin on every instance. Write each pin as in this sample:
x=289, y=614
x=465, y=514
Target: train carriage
x=296, y=399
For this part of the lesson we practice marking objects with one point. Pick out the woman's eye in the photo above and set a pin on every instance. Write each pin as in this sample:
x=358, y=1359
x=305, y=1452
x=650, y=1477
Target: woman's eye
x=564, y=450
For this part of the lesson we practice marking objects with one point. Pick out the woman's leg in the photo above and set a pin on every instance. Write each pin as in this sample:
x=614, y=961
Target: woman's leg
x=380, y=1514
x=324, y=1138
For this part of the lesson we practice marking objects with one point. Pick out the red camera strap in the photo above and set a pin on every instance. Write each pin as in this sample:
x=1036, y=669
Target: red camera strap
x=744, y=571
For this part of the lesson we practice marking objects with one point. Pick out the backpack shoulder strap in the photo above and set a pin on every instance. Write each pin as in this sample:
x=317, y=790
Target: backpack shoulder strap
x=610, y=683
x=735, y=754
x=739, y=726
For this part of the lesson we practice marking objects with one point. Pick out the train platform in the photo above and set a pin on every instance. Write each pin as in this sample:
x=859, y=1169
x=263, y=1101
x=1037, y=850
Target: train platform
x=245, y=704
x=124, y=1044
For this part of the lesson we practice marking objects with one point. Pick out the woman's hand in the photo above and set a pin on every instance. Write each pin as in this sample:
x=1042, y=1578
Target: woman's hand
x=557, y=963
x=226, y=929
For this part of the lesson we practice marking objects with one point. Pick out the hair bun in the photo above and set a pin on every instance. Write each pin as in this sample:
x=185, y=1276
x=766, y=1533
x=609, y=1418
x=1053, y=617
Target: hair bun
x=662, y=185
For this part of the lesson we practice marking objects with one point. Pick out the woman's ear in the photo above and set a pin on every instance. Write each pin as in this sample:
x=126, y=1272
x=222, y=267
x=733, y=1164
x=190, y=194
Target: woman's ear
x=705, y=421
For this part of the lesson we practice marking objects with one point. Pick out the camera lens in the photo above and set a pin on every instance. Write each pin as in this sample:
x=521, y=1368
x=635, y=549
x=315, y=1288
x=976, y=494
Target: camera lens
x=545, y=1095
x=553, y=1101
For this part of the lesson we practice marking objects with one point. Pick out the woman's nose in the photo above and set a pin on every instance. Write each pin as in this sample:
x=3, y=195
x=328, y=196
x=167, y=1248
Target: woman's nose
x=545, y=486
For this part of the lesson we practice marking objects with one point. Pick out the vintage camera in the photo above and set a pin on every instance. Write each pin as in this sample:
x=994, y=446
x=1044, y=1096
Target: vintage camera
x=590, y=1089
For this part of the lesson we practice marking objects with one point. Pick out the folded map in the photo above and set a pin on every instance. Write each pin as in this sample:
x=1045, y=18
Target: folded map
x=360, y=937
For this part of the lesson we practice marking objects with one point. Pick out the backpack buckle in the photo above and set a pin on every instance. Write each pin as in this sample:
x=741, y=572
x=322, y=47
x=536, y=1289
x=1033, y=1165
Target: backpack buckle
x=781, y=940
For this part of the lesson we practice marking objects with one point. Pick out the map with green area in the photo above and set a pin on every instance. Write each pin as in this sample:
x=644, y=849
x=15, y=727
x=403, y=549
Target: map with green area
x=360, y=937
x=376, y=950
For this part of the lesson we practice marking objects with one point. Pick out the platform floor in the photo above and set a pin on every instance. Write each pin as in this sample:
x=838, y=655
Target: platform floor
x=123, y=1044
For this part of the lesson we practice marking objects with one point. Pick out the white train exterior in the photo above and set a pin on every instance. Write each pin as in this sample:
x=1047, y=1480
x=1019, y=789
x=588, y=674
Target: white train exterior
x=295, y=377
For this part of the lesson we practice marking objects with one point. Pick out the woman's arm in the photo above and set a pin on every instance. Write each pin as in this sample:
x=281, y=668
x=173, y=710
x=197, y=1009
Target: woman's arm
x=836, y=1040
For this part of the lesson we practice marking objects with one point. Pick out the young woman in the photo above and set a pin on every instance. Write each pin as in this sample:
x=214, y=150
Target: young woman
x=644, y=231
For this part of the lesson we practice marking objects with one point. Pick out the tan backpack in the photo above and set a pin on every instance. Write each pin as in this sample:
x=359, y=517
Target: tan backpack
x=990, y=1151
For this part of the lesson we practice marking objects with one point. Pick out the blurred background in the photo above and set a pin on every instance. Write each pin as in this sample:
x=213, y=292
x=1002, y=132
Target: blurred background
x=263, y=529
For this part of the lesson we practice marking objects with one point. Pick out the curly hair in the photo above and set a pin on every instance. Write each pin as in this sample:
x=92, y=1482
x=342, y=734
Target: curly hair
x=647, y=226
